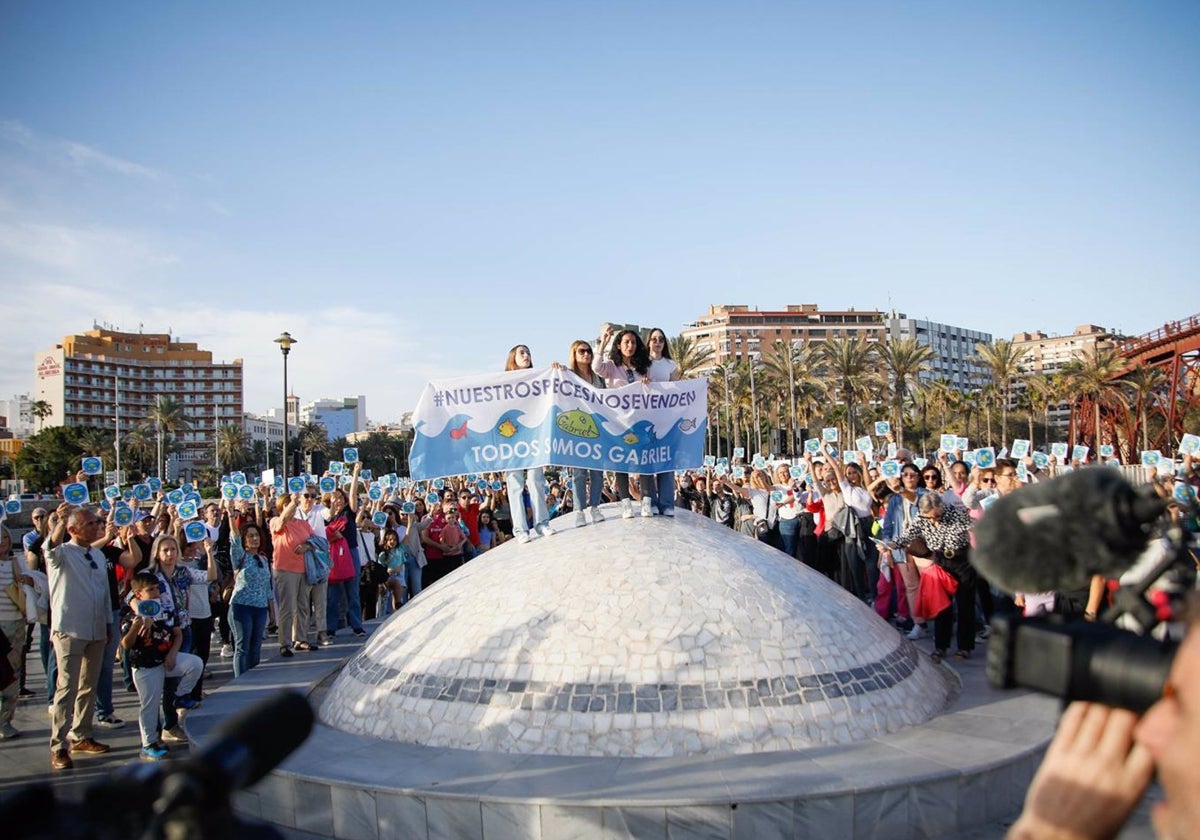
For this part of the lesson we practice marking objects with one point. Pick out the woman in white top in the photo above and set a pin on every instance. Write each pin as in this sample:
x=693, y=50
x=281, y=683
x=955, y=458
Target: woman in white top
x=628, y=362
x=855, y=573
x=662, y=369
x=533, y=478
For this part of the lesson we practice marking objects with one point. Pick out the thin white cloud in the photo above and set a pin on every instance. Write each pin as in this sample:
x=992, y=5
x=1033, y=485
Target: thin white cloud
x=95, y=254
x=74, y=152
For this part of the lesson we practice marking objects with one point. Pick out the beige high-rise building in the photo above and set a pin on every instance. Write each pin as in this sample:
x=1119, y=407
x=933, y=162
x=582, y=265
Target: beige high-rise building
x=88, y=378
x=1049, y=354
x=737, y=332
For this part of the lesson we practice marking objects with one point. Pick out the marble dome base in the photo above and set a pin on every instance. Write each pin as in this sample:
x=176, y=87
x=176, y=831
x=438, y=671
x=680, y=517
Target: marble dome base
x=963, y=768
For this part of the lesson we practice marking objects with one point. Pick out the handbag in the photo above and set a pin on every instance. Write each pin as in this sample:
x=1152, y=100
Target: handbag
x=15, y=590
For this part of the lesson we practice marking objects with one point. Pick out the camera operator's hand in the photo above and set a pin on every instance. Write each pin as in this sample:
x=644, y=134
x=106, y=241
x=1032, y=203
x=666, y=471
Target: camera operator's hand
x=1090, y=780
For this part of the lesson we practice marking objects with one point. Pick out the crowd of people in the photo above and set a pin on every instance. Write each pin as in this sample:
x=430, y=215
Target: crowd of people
x=302, y=566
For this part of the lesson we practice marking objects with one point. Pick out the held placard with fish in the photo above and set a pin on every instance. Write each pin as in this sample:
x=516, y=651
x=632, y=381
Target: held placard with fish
x=529, y=418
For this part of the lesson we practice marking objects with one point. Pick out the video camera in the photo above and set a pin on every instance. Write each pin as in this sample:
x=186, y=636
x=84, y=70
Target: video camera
x=1056, y=536
x=180, y=800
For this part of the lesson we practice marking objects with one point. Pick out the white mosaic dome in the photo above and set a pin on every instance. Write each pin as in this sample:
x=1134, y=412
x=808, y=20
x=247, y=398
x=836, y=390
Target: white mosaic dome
x=642, y=637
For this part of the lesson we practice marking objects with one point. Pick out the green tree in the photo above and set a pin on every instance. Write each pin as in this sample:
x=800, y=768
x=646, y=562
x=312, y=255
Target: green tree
x=41, y=410
x=233, y=447
x=1094, y=375
x=137, y=445
x=903, y=360
x=311, y=437
x=691, y=358
x=169, y=419
x=1003, y=361
x=1146, y=385
x=851, y=361
x=49, y=457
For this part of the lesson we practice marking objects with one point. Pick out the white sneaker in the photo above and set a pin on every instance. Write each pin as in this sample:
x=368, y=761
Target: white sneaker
x=546, y=530
x=627, y=509
x=523, y=537
x=580, y=519
x=918, y=632
x=174, y=735
x=226, y=651
x=646, y=511
x=668, y=511
x=597, y=516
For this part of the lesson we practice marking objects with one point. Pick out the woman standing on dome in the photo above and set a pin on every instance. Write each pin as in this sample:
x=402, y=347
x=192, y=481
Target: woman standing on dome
x=587, y=485
x=662, y=369
x=532, y=478
x=628, y=362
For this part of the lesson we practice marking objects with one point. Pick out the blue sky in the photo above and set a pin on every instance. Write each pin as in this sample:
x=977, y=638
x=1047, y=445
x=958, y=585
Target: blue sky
x=412, y=189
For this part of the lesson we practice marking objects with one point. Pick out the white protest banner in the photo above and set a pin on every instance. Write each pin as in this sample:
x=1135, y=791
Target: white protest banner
x=530, y=418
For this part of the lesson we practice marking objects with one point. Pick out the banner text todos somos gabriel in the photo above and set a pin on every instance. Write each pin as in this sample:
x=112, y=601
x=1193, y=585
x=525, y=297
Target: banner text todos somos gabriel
x=531, y=418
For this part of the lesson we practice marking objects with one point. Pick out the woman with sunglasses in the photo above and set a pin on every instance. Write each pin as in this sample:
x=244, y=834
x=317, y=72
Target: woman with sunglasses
x=946, y=532
x=901, y=510
x=533, y=478
x=628, y=362
x=586, y=485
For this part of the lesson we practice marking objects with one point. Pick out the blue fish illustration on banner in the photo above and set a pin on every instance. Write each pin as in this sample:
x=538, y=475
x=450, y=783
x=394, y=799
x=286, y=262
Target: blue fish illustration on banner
x=529, y=418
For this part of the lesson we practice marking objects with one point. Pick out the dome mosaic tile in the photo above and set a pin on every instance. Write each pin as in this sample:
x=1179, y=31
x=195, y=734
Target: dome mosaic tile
x=636, y=638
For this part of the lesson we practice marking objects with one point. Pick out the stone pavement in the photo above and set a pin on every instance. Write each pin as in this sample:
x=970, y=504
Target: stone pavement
x=26, y=760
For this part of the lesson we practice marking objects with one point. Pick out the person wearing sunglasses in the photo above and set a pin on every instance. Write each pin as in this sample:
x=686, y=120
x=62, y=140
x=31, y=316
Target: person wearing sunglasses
x=81, y=625
x=587, y=486
x=898, y=515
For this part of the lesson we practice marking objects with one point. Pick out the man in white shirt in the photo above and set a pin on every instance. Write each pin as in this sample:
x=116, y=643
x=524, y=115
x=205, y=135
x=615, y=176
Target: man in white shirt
x=81, y=623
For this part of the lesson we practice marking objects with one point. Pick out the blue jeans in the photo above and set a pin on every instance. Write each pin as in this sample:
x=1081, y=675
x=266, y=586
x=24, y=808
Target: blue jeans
x=661, y=489
x=347, y=589
x=412, y=579
x=249, y=625
x=49, y=661
x=104, y=701
x=580, y=478
x=516, y=481
x=788, y=529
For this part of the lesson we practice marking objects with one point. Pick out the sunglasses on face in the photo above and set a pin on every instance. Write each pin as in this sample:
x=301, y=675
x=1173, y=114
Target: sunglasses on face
x=310, y=495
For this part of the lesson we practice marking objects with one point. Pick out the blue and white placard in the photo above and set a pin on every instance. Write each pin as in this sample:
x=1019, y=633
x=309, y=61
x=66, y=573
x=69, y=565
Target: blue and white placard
x=1151, y=458
x=228, y=491
x=882, y=427
x=1041, y=460
x=379, y=519
x=985, y=458
x=1020, y=448
x=948, y=442
x=350, y=455
x=328, y=484
x=296, y=484
x=890, y=469
x=175, y=497
x=12, y=506
x=246, y=491
x=812, y=446
x=1079, y=453
x=188, y=510
x=195, y=532
x=142, y=492
x=1189, y=444
x=375, y=493
x=123, y=516
x=92, y=466
x=829, y=434
x=1107, y=450
x=1059, y=451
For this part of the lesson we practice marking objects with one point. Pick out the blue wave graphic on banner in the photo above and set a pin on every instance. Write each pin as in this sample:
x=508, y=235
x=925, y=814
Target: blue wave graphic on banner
x=571, y=438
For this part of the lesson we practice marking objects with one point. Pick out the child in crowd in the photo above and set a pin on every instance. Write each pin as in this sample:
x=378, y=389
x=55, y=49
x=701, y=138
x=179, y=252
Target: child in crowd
x=152, y=637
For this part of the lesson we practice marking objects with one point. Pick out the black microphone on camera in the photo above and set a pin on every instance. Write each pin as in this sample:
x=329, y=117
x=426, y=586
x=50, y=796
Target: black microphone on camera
x=193, y=794
x=1055, y=535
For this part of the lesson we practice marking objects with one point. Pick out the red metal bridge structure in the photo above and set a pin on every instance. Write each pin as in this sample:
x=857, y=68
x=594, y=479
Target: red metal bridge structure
x=1173, y=349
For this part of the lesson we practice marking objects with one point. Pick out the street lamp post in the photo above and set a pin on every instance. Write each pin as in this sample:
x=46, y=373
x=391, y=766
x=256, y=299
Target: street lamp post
x=285, y=342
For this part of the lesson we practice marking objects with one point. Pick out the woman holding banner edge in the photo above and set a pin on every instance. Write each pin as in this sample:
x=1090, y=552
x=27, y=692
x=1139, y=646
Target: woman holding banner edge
x=580, y=364
x=533, y=477
x=628, y=362
x=662, y=369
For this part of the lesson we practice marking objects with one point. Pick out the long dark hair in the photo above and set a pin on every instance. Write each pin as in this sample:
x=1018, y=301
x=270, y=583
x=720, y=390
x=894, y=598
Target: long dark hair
x=666, y=342
x=641, y=354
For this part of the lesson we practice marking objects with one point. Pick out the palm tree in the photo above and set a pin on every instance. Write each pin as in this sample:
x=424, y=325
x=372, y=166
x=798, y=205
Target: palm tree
x=903, y=360
x=232, y=445
x=138, y=445
x=1043, y=391
x=95, y=441
x=311, y=437
x=851, y=361
x=41, y=410
x=1094, y=377
x=690, y=358
x=1003, y=361
x=1145, y=383
x=788, y=368
x=169, y=418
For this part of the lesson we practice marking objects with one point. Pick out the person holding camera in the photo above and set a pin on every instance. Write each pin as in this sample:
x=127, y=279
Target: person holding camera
x=152, y=636
x=1102, y=759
